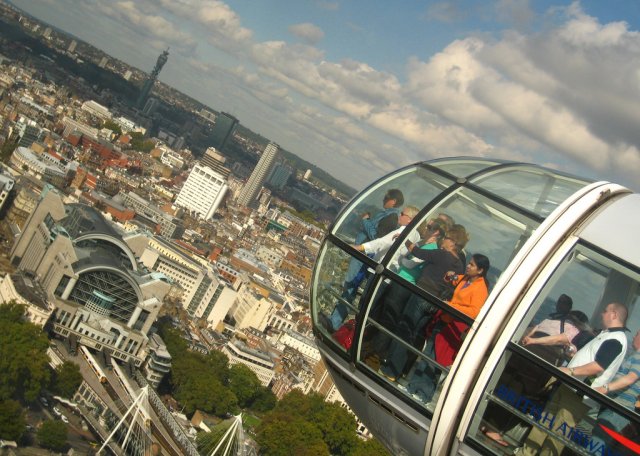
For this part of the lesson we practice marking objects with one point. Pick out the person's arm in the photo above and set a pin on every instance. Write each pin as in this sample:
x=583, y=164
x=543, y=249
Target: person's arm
x=422, y=254
x=560, y=339
x=410, y=263
x=586, y=370
x=379, y=245
x=619, y=384
x=606, y=354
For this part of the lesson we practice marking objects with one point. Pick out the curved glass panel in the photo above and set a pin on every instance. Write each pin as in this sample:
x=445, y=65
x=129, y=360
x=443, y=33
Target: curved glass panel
x=409, y=343
x=110, y=284
x=491, y=228
x=372, y=215
x=463, y=167
x=574, y=329
x=336, y=293
x=536, y=189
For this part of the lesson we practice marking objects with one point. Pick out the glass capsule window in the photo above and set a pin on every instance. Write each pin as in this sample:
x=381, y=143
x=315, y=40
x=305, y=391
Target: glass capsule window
x=532, y=188
x=374, y=212
x=397, y=301
x=560, y=386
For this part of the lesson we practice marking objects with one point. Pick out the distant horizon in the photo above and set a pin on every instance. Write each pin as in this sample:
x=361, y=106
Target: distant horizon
x=361, y=89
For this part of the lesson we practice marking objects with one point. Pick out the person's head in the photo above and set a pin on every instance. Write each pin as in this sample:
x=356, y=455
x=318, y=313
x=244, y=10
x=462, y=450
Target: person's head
x=614, y=315
x=407, y=214
x=445, y=220
x=431, y=228
x=456, y=235
x=579, y=318
x=393, y=198
x=564, y=304
x=478, y=266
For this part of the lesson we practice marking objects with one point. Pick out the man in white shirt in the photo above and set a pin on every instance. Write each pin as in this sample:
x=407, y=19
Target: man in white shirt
x=599, y=360
x=380, y=246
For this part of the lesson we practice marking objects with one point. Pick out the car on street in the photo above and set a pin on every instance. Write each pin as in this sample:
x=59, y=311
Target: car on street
x=64, y=419
x=57, y=411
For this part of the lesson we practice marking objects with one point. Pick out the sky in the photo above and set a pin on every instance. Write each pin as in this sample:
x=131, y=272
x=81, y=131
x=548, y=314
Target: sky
x=361, y=87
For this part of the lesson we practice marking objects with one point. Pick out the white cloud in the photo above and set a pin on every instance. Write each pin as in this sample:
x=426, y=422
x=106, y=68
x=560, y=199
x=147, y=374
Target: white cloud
x=309, y=33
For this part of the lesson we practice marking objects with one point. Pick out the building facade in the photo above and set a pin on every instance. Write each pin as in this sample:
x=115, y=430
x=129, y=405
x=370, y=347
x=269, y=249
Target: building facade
x=100, y=292
x=203, y=191
x=222, y=130
x=260, y=173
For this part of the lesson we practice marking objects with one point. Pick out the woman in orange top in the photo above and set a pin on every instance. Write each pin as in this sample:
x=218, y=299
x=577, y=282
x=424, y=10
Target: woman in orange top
x=468, y=297
x=471, y=289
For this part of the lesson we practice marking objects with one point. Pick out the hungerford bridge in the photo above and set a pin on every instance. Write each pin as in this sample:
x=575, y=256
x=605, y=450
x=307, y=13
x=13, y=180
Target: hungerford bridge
x=132, y=434
x=132, y=420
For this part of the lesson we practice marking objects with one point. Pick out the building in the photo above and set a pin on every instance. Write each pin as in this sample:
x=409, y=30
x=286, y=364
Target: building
x=100, y=292
x=166, y=224
x=251, y=309
x=222, y=130
x=25, y=289
x=210, y=300
x=214, y=160
x=71, y=125
x=96, y=110
x=280, y=175
x=6, y=185
x=159, y=360
x=148, y=84
x=307, y=174
x=251, y=189
x=31, y=133
x=72, y=46
x=306, y=346
x=203, y=191
x=26, y=160
x=257, y=361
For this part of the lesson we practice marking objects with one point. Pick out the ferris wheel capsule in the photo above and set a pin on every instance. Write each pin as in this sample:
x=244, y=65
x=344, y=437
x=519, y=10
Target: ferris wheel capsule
x=456, y=302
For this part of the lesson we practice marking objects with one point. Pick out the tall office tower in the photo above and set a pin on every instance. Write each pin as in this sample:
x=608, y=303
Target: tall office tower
x=72, y=46
x=215, y=161
x=148, y=84
x=203, y=191
x=280, y=175
x=29, y=135
x=103, y=62
x=222, y=129
x=259, y=175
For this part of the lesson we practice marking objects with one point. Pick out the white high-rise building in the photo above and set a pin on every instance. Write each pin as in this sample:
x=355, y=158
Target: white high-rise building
x=203, y=191
x=260, y=173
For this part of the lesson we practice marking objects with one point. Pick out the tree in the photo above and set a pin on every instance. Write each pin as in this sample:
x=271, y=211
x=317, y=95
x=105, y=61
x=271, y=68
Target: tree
x=371, y=447
x=67, y=379
x=23, y=355
x=308, y=417
x=264, y=400
x=204, y=392
x=12, y=421
x=284, y=436
x=53, y=435
x=244, y=383
x=338, y=428
x=111, y=125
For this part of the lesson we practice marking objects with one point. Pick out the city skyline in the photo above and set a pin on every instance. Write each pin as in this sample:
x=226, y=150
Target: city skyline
x=361, y=90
